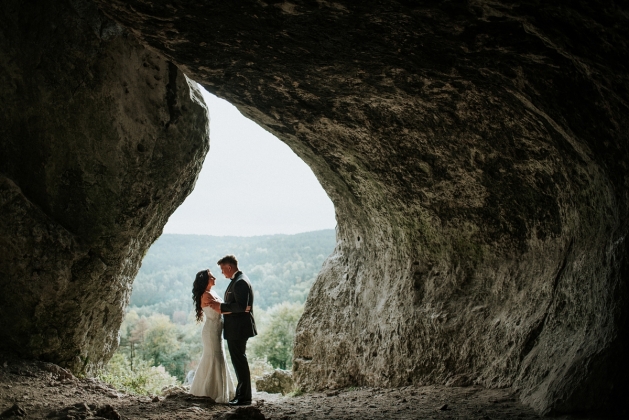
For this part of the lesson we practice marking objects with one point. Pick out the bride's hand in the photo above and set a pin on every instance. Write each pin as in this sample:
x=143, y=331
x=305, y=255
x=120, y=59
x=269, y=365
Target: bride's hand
x=213, y=298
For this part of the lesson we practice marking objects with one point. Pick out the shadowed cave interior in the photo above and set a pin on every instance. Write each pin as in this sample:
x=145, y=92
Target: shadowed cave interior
x=476, y=154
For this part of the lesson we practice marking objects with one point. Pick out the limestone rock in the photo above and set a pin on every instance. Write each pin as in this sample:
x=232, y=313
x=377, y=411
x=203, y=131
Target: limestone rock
x=14, y=411
x=276, y=382
x=102, y=139
x=476, y=156
x=476, y=153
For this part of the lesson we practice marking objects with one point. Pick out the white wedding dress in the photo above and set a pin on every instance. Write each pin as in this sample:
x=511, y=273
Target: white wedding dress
x=212, y=379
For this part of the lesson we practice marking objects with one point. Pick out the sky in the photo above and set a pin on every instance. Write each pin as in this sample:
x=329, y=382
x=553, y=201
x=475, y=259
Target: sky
x=273, y=190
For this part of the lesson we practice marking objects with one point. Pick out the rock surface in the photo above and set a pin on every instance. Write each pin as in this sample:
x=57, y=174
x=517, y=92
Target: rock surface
x=277, y=382
x=102, y=139
x=476, y=154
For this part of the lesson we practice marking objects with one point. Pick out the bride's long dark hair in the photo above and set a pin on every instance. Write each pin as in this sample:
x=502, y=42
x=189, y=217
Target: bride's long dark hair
x=198, y=288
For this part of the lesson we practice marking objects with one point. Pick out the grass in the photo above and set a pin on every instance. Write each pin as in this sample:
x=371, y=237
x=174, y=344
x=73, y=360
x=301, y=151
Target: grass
x=296, y=392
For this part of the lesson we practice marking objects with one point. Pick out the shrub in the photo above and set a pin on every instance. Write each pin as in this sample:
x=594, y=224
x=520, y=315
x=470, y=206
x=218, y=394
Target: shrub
x=143, y=379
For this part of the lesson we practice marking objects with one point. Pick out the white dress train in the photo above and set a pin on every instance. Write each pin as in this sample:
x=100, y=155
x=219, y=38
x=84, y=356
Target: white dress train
x=212, y=379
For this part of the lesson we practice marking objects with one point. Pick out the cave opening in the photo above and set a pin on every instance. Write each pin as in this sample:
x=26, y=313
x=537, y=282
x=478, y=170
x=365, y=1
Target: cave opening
x=253, y=198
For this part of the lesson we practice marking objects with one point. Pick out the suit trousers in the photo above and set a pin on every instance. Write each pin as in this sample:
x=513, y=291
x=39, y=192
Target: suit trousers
x=237, y=351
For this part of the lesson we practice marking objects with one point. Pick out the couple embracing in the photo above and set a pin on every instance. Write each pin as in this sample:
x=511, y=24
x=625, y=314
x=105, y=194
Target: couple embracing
x=231, y=318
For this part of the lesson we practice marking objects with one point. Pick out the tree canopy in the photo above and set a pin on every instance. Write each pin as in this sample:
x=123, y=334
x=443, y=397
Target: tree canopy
x=282, y=268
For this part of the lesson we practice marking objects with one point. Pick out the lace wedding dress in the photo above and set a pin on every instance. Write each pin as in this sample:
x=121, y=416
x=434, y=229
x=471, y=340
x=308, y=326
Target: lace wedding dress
x=212, y=379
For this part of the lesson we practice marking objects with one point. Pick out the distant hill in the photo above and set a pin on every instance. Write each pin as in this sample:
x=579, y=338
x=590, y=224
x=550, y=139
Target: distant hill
x=281, y=268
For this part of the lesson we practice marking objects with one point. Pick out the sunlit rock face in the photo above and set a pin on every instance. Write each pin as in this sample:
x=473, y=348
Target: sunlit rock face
x=101, y=139
x=476, y=154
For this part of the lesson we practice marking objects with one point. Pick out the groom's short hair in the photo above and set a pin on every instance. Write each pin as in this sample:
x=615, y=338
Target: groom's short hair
x=229, y=259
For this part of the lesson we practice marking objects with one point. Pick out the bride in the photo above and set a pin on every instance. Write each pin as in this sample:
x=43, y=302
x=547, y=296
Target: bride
x=212, y=379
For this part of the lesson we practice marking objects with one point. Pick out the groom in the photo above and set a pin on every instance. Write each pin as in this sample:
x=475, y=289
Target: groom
x=239, y=324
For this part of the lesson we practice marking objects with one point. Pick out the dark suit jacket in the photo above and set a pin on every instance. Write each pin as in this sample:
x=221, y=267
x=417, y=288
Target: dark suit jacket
x=239, y=294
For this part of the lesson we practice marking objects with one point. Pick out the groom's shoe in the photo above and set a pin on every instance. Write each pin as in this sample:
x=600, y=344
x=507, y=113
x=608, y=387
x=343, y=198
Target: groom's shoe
x=237, y=401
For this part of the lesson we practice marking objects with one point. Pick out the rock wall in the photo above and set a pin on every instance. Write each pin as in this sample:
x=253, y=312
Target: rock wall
x=476, y=154
x=102, y=139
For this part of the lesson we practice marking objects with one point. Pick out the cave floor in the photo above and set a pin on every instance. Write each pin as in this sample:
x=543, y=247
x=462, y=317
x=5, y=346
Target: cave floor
x=42, y=390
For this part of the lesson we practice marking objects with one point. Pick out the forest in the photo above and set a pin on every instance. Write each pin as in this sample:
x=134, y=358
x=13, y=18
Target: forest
x=160, y=342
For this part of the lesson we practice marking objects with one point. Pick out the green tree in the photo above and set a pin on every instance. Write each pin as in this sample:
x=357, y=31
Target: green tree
x=161, y=345
x=281, y=267
x=277, y=337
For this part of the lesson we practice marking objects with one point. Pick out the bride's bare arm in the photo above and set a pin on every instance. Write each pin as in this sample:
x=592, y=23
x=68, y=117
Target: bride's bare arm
x=206, y=299
x=246, y=310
